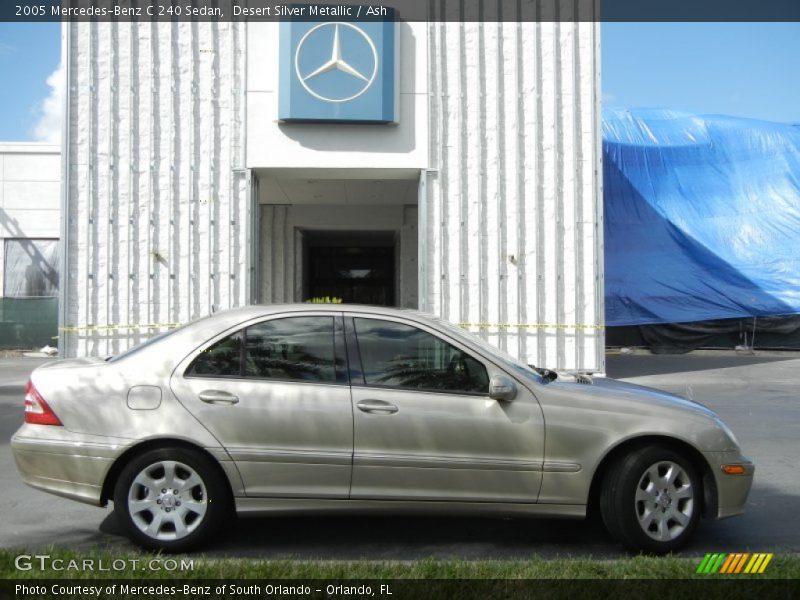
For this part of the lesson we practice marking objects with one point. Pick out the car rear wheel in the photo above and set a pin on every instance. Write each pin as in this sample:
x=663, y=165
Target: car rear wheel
x=651, y=500
x=171, y=499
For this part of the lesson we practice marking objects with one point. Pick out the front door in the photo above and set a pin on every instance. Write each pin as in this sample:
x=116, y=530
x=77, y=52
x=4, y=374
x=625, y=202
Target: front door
x=425, y=427
x=275, y=394
x=352, y=272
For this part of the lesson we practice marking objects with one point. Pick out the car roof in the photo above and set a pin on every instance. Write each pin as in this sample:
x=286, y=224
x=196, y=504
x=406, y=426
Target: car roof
x=233, y=316
x=266, y=309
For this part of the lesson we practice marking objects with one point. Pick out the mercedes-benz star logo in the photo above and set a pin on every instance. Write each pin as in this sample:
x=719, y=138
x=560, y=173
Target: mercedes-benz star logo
x=336, y=63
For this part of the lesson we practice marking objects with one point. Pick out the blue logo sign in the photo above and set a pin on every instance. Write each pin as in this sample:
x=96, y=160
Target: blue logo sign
x=338, y=71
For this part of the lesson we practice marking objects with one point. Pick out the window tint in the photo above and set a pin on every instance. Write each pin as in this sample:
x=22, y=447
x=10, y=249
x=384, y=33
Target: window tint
x=223, y=359
x=297, y=348
x=397, y=355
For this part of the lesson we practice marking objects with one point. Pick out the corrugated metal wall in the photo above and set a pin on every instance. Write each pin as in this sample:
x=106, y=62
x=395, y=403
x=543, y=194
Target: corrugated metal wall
x=159, y=228
x=278, y=250
x=511, y=210
x=157, y=199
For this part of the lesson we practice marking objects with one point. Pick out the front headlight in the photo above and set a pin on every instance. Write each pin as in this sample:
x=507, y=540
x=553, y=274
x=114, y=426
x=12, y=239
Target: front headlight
x=727, y=431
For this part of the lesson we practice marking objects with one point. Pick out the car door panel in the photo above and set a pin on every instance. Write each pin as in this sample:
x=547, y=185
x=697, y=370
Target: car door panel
x=446, y=447
x=287, y=438
x=434, y=445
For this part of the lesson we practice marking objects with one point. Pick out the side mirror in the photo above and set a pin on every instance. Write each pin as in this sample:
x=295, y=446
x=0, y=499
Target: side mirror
x=546, y=374
x=502, y=388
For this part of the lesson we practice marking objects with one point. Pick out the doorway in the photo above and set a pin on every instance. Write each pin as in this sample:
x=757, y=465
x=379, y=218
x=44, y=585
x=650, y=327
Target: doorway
x=350, y=234
x=351, y=267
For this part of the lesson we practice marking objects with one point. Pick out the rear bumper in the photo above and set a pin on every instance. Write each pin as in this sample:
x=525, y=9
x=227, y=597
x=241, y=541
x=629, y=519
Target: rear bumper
x=63, y=463
x=732, y=490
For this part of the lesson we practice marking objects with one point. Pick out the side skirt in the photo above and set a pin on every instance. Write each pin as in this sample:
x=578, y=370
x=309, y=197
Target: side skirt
x=254, y=507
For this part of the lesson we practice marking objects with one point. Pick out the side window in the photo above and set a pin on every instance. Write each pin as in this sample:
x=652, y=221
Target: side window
x=294, y=349
x=402, y=356
x=223, y=359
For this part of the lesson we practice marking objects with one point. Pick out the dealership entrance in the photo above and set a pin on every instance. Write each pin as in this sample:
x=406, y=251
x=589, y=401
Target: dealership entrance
x=354, y=267
x=348, y=235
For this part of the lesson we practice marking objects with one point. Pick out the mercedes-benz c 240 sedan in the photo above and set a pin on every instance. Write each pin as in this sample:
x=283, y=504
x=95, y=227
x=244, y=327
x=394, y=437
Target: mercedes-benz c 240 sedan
x=326, y=408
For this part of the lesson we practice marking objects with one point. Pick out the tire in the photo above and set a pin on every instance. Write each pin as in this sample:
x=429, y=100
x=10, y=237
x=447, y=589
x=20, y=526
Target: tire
x=651, y=500
x=171, y=499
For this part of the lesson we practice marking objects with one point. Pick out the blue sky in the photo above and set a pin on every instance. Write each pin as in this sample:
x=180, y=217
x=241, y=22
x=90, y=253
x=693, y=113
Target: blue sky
x=29, y=53
x=741, y=69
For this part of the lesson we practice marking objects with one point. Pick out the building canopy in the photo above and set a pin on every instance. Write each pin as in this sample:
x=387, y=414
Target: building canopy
x=702, y=217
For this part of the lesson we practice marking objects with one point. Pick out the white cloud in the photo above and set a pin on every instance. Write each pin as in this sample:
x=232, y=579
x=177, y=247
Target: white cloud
x=609, y=98
x=48, y=127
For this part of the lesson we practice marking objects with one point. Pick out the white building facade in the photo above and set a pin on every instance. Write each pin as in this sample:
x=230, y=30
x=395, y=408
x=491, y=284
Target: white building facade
x=30, y=191
x=186, y=191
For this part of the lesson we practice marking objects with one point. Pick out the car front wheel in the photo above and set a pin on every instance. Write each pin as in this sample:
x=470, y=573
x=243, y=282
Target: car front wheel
x=171, y=499
x=651, y=500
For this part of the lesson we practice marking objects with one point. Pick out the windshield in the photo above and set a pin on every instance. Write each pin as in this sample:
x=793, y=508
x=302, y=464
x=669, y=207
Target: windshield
x=501, y=356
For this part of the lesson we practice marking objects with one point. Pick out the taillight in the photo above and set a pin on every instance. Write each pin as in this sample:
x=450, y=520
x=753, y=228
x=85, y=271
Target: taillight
x=37, y=411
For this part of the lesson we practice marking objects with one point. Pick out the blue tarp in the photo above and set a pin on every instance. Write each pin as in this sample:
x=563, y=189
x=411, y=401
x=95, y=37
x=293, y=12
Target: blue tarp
x=702, y=217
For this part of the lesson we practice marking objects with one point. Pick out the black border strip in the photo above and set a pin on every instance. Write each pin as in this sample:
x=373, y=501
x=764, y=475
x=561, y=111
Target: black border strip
x=396, y=589
x=406, y=10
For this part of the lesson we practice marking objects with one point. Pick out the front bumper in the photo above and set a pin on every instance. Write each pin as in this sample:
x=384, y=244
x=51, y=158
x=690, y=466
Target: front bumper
x=67, y=464
x=731, y=490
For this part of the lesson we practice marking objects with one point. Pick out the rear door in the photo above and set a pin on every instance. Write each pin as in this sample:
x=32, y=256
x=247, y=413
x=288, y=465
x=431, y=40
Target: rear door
x=424, y=425
x=275, y=393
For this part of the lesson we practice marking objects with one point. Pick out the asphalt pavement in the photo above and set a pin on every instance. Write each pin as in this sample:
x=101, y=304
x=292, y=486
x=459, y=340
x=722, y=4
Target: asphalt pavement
x=756, y=395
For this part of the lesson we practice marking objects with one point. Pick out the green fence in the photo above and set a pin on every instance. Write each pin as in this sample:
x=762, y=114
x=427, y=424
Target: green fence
x=27, y=323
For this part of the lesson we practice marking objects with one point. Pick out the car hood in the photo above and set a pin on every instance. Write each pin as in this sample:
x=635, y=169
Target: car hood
x=630, y=394
x=614, y=410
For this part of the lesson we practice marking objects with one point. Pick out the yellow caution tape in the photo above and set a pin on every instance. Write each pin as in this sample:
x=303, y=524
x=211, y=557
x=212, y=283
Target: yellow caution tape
x=532, y=326
x=115, y=327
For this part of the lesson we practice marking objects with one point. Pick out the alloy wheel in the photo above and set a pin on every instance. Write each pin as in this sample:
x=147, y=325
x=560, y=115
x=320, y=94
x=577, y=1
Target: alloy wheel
x=664, y=501
x=167, y=500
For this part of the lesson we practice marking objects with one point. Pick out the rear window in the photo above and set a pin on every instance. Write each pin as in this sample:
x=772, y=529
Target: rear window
x=156, y=338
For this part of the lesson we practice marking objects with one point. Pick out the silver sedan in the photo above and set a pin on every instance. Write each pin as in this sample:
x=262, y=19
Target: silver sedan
x=325, y=408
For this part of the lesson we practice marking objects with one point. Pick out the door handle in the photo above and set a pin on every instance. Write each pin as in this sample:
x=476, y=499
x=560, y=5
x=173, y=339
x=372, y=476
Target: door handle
x=217, y=397
x=376, y=406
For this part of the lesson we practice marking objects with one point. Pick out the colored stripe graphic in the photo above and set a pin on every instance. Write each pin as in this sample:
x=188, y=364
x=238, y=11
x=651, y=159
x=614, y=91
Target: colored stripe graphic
x=764, y=564
x=730, y=564
x=727, y=564
x=754, y=563
x=740, y=564
x=711, y=563
x=717, y=563
x=735, y=563
x=703, y=564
